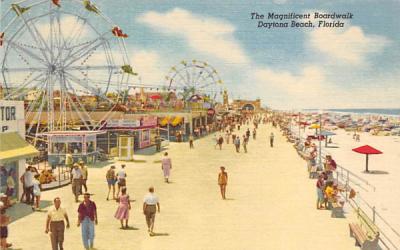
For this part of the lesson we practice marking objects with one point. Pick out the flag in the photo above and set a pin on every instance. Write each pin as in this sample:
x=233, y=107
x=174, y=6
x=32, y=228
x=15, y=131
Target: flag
x=1, y=38
x=128, y=69
x=90, y=7
x=18, y=9
x=117, y=31
x=56, y=2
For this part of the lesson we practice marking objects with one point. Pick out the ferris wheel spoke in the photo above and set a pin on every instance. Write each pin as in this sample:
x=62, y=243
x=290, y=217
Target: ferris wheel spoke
x=19, y=91
x=35, y=36
x=185, y=80
x=198, y=76
x=23, y=69
x=93, y=67
x=77, y=109
x=38, y=114
x=84, y=51
x=16, y=47
x=84, y=85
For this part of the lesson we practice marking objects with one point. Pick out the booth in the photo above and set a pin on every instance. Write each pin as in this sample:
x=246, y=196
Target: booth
x=126, y=147
x=80, y=144
x=136, y=130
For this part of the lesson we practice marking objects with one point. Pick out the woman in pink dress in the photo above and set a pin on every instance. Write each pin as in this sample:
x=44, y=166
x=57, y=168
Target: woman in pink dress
x=124, y=206
x=166, y=166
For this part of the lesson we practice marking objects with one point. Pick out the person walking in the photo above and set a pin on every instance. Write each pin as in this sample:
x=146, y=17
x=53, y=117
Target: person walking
x=191, y=139
x=248, y=133
x=220, y=141
x=55, y=224
x=111, y=180
x=254, y=133
x=36, y=192
x=121, y=177
x=124, y=206
x=84, y=171
x=151, y=204
x=245, y=141
x=76, y=179
x=158, y=142
x=27, y=179
x=237, y=144
x=271, y=140
x=87, y=218
x=222, y=181
x=166, y=166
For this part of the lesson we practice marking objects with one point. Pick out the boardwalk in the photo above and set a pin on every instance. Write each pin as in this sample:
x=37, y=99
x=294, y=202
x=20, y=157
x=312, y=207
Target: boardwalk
x=270, y=205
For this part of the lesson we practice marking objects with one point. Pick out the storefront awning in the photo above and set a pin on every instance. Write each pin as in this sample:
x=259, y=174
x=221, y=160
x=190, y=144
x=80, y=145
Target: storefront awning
x=164, y=121
x=14, y=147
x=176, y=120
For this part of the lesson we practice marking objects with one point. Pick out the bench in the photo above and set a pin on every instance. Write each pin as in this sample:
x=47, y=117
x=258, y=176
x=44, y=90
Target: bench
x=365, y=232
x=337, y=210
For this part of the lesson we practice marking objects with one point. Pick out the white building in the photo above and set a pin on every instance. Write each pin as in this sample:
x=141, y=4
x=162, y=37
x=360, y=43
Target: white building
x=13, y=148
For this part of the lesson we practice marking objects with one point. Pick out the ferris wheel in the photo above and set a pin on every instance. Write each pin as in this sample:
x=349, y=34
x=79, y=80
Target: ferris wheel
x=65, y=59
x=194, y=79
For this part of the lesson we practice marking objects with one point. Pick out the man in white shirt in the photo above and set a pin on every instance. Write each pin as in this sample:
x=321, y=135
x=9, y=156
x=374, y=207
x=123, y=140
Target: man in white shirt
x=150, y=206
x=28, y=185
x=121, y=176
x=76, y=180
x=55, y=224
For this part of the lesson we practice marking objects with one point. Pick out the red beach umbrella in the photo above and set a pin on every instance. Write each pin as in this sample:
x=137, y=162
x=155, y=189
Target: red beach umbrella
x=155, y=97
x=367, y=150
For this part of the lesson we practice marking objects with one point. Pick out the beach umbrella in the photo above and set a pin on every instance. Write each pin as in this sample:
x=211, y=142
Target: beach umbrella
x=315, y=126
x=367, y=150
x=326, y=134
x=155, y=97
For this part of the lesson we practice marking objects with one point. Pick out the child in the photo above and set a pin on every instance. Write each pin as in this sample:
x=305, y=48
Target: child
x=4, y=221
x=36, y=191
x=223, y=181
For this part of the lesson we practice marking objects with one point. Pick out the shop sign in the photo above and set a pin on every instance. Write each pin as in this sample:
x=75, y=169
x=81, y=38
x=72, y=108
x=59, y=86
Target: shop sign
x=122, y=124
x=148, y=121
x=12, y=117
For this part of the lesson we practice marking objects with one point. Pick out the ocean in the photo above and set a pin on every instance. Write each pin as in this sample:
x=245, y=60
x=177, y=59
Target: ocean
x=391, y=112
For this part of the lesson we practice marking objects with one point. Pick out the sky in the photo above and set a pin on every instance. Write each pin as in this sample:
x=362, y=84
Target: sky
x=355, y=66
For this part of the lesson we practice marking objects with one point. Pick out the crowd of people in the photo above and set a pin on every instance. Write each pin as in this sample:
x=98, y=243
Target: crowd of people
x=57, y=217
x=328, y=187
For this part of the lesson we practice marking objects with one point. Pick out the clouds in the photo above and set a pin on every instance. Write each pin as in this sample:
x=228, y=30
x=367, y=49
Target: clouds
x=347, y=45
x=149, y=66
x=207, y=35
x=312, y=83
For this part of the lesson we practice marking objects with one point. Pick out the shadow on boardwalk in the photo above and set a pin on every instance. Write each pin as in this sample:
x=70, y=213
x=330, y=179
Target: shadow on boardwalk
x=21, y=210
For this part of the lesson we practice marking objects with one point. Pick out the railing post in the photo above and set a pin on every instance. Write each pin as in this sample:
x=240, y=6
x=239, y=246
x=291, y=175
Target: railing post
x=347, y=186
x=373, y=214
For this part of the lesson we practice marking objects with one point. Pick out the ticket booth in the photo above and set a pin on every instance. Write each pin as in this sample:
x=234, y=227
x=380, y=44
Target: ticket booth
x=126, y=145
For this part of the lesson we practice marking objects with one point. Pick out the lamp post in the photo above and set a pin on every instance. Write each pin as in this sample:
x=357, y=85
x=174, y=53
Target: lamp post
x=319, y=140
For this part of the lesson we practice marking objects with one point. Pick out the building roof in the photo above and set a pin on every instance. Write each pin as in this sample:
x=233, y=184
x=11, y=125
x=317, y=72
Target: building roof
x=14, y=147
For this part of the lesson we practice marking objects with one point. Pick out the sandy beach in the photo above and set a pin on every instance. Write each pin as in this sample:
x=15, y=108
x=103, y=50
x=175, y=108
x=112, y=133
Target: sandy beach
x=270, y=203
x=384, y=174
